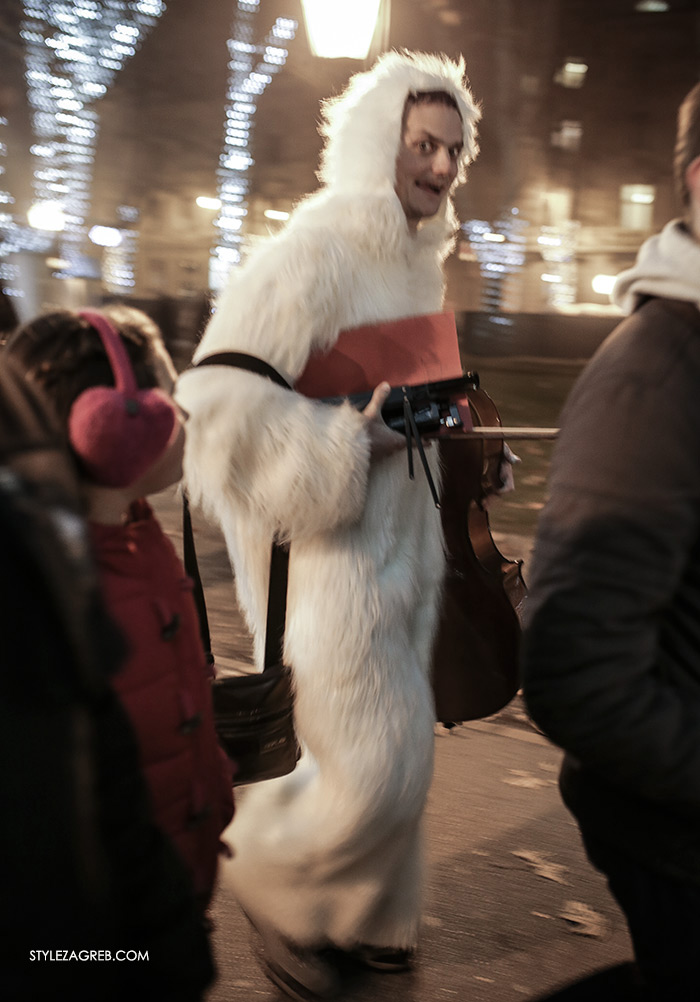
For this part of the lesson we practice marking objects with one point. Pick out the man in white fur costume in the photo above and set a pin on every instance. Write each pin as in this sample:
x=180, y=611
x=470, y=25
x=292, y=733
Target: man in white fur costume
x=330, y=856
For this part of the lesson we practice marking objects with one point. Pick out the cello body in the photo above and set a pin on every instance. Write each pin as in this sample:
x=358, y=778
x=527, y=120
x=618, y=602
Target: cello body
x=476, y=650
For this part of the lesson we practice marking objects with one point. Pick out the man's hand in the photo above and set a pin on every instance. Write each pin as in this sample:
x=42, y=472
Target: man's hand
x=382, y=440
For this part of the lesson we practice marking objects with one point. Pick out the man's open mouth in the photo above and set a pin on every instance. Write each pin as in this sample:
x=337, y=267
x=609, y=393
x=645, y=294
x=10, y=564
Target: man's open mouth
x=434, y=189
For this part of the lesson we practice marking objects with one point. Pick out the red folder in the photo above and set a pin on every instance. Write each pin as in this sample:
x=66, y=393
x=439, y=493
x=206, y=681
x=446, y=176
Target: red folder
x=405, y=352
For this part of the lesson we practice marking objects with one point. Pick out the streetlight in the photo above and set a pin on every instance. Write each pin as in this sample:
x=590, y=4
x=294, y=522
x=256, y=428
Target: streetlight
x=603, y=284
x=105, y=236
x=206, y=202
x=341, y=28
x=46, y=216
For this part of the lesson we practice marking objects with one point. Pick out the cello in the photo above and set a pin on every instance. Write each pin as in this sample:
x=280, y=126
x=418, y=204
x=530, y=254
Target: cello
x=475, y=654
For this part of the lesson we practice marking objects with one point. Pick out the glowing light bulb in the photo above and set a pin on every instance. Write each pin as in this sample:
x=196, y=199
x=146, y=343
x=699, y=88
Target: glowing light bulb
x=205, y=202
x=47, y=216
x=340, y=28
x=105, y=236
x=603, y=284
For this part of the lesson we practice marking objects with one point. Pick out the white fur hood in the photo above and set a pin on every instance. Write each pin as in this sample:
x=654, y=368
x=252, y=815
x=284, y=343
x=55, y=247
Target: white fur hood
x=668, y=264
x=362, y=130
x=362, y=126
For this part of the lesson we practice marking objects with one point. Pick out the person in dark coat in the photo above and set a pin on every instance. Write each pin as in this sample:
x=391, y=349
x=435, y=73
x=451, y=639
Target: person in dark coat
x=611, y=658
x=96, y=903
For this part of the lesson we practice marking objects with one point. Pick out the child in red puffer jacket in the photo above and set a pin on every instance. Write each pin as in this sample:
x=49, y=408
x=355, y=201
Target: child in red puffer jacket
x=109, y=377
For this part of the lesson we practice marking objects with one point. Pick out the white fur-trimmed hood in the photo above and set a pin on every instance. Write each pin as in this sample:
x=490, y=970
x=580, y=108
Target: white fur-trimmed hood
x=362, y=131
x=362, y=126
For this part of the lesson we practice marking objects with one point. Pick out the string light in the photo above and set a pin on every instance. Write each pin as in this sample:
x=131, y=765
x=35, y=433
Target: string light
x=8, y=228
x=118, y=260
x=73, y=51
x=118, y=273
x=251, y=70
x=557, y=246
x=500, y=251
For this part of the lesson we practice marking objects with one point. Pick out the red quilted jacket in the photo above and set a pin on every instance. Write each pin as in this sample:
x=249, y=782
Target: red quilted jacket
x=165, y=687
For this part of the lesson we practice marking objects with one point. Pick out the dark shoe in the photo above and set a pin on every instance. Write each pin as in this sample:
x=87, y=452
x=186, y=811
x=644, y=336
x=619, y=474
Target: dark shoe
x=301, y=973
x=386, y=958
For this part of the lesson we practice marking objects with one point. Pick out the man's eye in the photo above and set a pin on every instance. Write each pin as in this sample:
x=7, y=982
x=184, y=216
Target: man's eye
x=455, y=152
x=425, y=146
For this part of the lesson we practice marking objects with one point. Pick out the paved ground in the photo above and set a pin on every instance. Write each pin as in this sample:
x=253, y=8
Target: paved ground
x=513, y=907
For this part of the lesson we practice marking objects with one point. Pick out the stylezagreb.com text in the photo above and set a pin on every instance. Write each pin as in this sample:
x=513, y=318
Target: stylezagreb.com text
x=129, y=956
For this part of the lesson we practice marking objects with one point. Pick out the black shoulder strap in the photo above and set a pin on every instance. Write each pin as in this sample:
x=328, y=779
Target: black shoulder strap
x=241, y=360
x=276, y=595
x=192, y=571
x=279, y=558
x=276, y=606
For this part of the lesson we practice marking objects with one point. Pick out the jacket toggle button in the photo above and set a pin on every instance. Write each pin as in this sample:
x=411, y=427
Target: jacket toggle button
x=198, y=817
x=191, y=724
x=171, y=628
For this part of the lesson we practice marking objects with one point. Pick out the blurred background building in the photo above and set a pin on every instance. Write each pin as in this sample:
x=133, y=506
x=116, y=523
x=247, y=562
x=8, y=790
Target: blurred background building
x=145, y=146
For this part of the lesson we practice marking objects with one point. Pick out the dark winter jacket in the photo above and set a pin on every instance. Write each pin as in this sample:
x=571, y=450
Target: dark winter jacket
x=165, y=687
x=612, y=646
x=82, y=865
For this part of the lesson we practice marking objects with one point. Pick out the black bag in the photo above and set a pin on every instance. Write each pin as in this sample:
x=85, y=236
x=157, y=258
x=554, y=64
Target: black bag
x=253, y=714
x=255, y=723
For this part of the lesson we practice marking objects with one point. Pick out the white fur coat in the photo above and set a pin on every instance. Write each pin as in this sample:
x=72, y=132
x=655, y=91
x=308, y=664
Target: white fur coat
x=332, y=852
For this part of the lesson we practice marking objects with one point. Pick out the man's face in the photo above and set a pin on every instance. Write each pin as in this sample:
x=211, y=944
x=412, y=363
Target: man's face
x=428, y=159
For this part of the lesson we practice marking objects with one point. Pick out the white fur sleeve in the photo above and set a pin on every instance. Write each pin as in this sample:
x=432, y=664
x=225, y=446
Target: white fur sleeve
x=298, y=466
